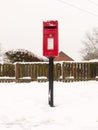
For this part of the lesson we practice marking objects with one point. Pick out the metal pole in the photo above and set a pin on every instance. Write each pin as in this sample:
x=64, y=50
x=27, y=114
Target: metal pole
x=51, y=81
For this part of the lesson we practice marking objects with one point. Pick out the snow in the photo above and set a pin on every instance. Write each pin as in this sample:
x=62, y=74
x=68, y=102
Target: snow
x=94, y=60
x=70, y=77
x=42, y=77
x=24, y=106
x=7, y=77
x=25, y=77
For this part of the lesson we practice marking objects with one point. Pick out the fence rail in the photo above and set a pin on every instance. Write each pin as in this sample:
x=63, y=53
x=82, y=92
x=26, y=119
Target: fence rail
x=64, y=71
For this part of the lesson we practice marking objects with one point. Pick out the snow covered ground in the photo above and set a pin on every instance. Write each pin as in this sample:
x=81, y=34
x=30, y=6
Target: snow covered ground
x=24, y=106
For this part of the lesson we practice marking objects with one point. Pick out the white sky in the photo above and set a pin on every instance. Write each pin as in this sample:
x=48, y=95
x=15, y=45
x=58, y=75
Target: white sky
x=21, y=23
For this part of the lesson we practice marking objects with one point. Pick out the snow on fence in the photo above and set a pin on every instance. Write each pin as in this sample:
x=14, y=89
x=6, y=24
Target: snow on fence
x=63, y=71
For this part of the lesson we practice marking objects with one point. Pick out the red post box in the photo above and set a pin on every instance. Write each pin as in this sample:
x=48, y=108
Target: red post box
x=50, y=38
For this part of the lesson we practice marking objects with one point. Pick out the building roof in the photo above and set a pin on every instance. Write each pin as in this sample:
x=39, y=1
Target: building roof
x=63, y=57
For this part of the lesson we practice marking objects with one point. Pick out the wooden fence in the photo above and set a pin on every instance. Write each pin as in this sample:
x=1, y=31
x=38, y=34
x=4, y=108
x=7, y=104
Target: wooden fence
x=64, y=71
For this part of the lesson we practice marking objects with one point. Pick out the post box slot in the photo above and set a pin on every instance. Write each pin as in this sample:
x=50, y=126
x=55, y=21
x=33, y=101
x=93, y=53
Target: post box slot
x=50, y=27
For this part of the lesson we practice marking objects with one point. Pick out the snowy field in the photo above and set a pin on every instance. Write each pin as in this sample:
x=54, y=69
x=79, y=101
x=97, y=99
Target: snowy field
x=24, y=106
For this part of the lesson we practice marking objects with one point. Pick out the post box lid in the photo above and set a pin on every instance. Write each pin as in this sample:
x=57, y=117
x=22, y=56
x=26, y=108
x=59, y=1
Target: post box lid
x=51, y=24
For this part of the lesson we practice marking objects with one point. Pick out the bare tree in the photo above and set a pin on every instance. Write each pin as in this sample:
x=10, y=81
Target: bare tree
x=90, y=50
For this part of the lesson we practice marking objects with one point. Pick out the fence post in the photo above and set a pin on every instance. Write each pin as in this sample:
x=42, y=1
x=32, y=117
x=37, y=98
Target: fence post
x=17, y=71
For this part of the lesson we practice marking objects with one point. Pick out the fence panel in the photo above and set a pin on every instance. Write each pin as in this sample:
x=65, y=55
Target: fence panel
x=79, y=71
x=7, y=70
x=33, y=72
x=66, y=71
x=42, y=72
x=57, y=71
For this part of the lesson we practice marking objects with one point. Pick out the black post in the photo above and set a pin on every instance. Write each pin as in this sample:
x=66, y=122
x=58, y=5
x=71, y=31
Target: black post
x=51, y=81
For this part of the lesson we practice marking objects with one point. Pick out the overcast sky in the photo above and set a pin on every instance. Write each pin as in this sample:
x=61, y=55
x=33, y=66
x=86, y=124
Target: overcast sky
x=21, y=23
